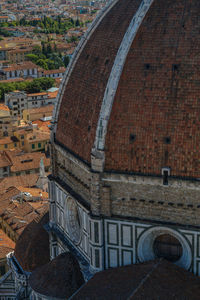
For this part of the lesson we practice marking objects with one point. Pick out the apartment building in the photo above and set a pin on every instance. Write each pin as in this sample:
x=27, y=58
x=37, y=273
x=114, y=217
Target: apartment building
x=24, y=70
x=7, y=124
x=17, y=102
x=38, y=113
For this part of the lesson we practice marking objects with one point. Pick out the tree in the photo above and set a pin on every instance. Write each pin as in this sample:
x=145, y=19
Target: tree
x=42, y=63
x=32, y=57
x=66, y=60
x=37, y=50
x=57, y=61
x=36, y=85
x=49, y=49
x=55, y=47
x=33, y=87
x=77, y=24
x=44, y=49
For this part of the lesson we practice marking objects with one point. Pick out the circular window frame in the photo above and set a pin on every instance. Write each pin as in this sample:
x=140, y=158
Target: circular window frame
x=146, y=242
x=70, y=200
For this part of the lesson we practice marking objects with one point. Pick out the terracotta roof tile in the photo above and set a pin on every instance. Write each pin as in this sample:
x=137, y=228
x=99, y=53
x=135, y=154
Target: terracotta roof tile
x=46, y=108
x=8, y=140
x=32, y=247
x=60, y=278
x=154, y=120
x=4, y=107
x=147, y=281
x=21, y=66
x=6, y=244
x=4, y=160
x=37, y=136
x=26, y=161
x=81, y=102
x=29, y=180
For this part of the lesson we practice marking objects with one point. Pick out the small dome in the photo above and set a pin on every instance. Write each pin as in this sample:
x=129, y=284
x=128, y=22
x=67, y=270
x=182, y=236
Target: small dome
x=60, y=278
x=32, y=247
x=133, y=89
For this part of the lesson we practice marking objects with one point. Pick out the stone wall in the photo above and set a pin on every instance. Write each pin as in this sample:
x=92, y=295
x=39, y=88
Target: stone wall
x=73, y=172
x=147, y=198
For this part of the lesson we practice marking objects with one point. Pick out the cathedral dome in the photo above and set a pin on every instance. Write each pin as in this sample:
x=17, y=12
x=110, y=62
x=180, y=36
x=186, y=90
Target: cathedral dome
x=60, y=278
x=32, y=247
x=132, y=89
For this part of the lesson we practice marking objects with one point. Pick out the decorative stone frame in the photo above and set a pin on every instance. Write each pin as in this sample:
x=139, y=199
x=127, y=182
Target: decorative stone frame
x=67, y=224
x=146, y=241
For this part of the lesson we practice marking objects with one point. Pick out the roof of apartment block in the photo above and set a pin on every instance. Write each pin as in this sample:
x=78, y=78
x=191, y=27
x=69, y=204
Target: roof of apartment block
x=21, y=66
x=4, y=160
x=37, y=94
x=6, y=244
x=8, y=140
x=19, y=214
x=42, y=109
x=48, y=72
x=28, y=180
x=4, y=107
x=26, y=161
x=37, y=136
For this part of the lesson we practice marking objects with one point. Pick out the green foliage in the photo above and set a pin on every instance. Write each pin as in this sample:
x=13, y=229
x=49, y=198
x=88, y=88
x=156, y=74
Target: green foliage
x=66, y=60
x=32, y=57
x=45, y=57
x=46, y=24
x=77, y=23
x=73, y=39
x=56, y=60
x=5, y=32
x=42, y=63
x=37, y=50
x=35, y=86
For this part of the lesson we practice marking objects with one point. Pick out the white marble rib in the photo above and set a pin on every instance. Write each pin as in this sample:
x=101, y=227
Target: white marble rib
x=116, y=74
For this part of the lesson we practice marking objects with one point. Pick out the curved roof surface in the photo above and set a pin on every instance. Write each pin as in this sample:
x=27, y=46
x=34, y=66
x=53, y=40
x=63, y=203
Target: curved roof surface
x=154, y=120
x=60, y=278
x=158, y=279
x=32, y=247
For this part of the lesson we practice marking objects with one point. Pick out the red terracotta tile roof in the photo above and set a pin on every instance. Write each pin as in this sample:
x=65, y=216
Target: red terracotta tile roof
x=159, y=90
x=38, y=136
x=8, y=140
x=60, y=278
x=37, y=94
x=28, y=180
x=154, y=120
x=81, y=103
x=35, y=192
x=32, y=247
x=26, y=161
x=21, y=66
x=148, y=281
x=4, y=107
x=48, y=72
x=6, y=244
x=42, y=109
x=4, y=160
x=52, y=95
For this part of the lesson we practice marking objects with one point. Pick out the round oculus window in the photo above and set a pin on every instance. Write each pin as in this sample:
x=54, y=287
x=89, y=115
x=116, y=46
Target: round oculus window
x=168, y=247
x=73, y=221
